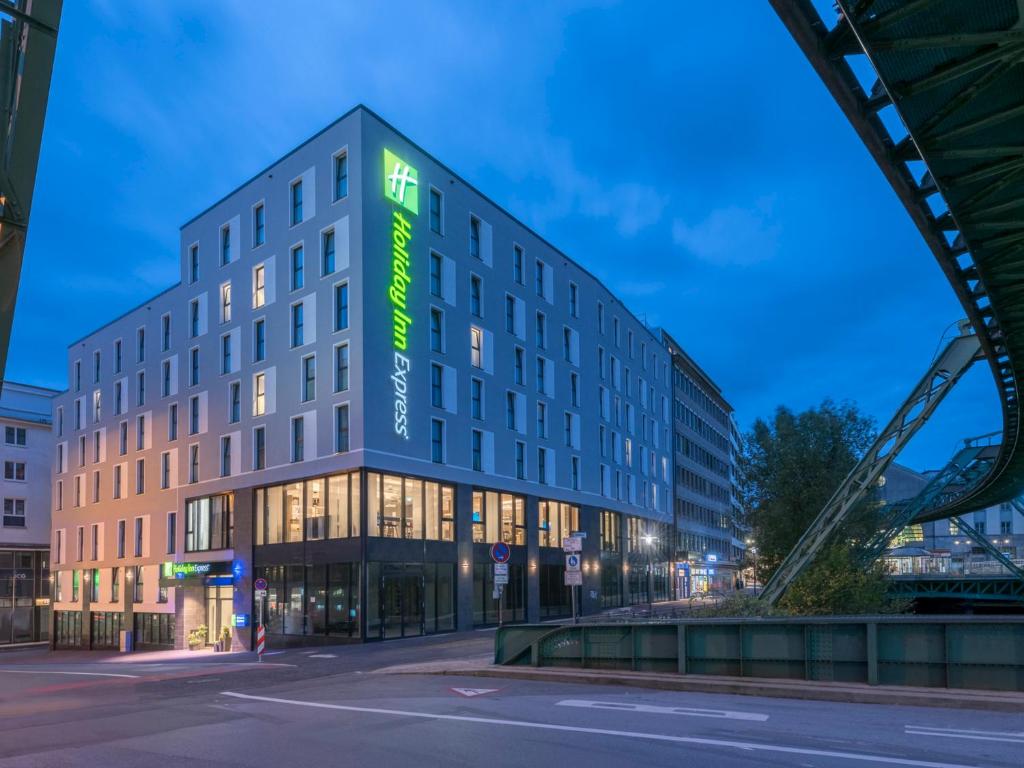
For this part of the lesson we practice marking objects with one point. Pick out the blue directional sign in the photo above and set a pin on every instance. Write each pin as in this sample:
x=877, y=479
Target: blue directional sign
x=500, y=552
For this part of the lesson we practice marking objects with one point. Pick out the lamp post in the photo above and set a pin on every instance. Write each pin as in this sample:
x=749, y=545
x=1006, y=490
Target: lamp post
x=753, y=553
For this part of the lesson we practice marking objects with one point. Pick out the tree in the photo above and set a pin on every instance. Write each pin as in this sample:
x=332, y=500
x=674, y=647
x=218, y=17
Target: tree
x=789, y=469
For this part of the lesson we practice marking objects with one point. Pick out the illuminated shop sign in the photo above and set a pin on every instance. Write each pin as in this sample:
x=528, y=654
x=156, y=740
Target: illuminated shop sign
x=401, y=187
x=196, y=570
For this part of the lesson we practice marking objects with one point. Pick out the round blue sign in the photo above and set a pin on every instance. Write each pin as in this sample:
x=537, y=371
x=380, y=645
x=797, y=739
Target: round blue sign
x=500, y=552
x=260, y=584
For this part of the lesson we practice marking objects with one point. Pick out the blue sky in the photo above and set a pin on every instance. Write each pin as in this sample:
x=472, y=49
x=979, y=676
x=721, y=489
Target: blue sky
x=685, y=153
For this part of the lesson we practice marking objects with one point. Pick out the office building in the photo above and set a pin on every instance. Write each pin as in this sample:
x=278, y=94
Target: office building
x=368, y=374
x=26, y=455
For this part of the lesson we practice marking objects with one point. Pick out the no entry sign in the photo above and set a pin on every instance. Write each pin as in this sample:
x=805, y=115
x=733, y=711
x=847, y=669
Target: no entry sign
x=500, y=552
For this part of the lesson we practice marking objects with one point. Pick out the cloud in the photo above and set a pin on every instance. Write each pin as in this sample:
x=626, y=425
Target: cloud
x=732, y=236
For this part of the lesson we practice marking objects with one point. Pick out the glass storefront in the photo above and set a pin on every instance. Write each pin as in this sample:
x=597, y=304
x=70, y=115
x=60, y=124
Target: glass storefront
x=24, y=596
x=401, y=507
x=312, y=600
x=556, y=521
x=311, y=510
x=106, y=630
x=219, y=607
x=154, y=630
x=499, y=517
x=68, y=629
x=409, y=599
x=209, y=523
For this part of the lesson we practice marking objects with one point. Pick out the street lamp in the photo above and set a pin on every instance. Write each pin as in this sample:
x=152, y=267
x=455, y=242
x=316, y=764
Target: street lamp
x=649, y=542
x=753, y=553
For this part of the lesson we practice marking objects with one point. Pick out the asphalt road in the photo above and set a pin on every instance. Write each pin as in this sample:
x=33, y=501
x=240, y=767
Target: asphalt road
x=329, y=707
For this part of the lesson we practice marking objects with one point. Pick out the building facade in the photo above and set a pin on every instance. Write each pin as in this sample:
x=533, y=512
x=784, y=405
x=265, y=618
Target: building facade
x=26, y=455
x=368, y=374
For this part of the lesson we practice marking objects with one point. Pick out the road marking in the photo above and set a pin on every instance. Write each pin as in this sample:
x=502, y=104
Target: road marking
x=1014, y=737
x=470, y=692
x=744, y=745
x=323, y=655
x=652, y=709
x=56, y=672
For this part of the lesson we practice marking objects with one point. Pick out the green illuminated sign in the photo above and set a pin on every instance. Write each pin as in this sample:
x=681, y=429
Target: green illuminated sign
x=401, y=186
x=184, y=570
x=401, y=182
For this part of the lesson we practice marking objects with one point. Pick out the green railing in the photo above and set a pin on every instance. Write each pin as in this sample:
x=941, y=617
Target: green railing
x=943, y=652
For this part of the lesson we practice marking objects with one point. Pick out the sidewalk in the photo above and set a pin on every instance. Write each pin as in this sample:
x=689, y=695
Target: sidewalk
x=42, y=655
x=905, y=696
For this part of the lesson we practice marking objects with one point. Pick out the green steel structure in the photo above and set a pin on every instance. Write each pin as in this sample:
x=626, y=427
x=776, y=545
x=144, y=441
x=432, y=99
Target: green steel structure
x=982, y=652
x=950, y=72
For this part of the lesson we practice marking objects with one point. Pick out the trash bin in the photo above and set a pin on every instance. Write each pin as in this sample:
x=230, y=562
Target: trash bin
x=127, y=641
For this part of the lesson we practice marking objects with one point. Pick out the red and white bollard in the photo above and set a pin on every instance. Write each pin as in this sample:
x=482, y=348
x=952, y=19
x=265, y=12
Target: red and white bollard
x=261, y=641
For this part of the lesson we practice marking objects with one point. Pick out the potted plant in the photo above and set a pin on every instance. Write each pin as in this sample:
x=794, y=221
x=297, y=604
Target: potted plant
x=197, y=637
x=224, y=644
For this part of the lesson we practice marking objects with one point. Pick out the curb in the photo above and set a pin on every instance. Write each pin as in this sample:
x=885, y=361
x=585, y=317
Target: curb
x=992, y=701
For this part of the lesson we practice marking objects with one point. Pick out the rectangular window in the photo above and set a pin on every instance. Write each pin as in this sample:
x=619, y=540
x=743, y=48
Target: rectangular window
x=574, y=300
x=308, y=378
x=165, y=381
x=123, y=438
x=96, y=366
x=165, y=333
x=435, y=211
x=165, y=470
x=574, y=389
x=225, y=353
x=193, y=367
x=542, y=420
x=140, y=381
x=140, y=432
x=474, y=237
x=259, y=340
x=476, y=337
x=138, y=537
x=225, y=303
x=193, y=261
x=235, y=402
x=520, y=460
x=542, y=460
x=193, y=314
x=538, y=277
x=193, y=415
x=436, y=386
x=517, y=264
x=296, y=202
x=542, y=331
x=172, y=422
x=341, y=306
x=259, y=394
x=341, y=433
x=193, y=463
x=140, y=476
x=117, y=356
x=172, y=532
x=120, y=538
x=225, y=245
x=541, y=388
x=476, y=392
x=225, y=456
x=341, y=368
x=209, y=523
x=436, y=330
x=259, y=225
x=510, y=410
x=14, y=514
x=298, y=268
x=510, y=313
x=475, y=289
x=437, y=441
x=259, y=448
x=140, y=345
x=435, y=273
x=327, y=252
x=478, y=450
x=298, y=439
x=341, y=175
x=519, y=365
x=297, y=323
x=259, y=286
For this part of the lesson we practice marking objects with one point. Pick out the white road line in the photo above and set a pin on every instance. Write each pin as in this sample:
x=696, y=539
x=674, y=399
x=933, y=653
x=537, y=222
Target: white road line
x=1013, y=737
x=744, y=745
x=323, y=656
x=55, y=672
x=655, y=710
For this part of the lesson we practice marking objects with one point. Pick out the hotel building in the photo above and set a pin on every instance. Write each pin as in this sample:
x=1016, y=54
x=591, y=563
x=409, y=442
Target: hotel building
x=368, y=374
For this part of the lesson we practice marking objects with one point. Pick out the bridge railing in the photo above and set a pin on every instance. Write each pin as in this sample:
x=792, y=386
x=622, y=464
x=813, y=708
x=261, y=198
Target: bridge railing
x=949, y=651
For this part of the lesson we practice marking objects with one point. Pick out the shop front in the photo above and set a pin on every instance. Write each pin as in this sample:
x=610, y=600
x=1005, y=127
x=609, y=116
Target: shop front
x=206, y=592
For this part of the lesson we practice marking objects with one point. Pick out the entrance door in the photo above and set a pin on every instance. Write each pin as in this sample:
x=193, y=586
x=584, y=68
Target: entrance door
x=218, y=612
x=401, y=602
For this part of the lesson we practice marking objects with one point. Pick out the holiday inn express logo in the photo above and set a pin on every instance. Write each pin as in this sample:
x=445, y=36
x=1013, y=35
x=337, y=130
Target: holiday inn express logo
x=401, y=187
x=401, y=182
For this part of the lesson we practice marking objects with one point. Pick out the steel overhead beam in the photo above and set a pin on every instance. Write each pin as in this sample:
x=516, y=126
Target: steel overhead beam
x=943, y=374
x=983, y=542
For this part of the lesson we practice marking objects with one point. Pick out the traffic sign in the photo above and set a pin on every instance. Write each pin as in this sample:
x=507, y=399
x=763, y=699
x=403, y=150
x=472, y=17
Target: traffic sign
x=500, y=552
x=260, y=585
x=501, y=573
x=579, y=534
x=260, y=594
x=572, y=544
x=574, y=578
x=572, y=562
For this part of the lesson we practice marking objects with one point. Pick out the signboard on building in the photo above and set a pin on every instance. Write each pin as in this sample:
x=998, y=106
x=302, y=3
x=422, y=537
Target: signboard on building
x=199, y=571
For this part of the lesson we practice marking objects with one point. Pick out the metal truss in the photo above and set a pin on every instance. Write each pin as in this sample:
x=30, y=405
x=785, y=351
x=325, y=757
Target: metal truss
x=997, y=589
x=970, y=465
x=982, y=541
x=942, y=376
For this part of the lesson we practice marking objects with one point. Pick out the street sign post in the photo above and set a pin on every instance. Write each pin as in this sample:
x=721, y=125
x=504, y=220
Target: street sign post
x=500, y=552
x=260, y=585
x=572, y=562
x=573, y=548
x=574, y=579
x=572, y=544
x=501, y=573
